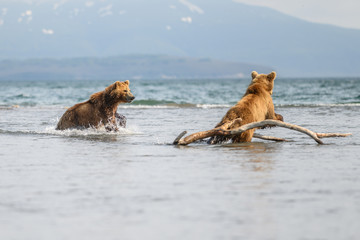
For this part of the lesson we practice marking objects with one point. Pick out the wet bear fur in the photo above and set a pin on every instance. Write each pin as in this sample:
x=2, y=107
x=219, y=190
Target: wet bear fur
x=256, y=105
x=99, y=110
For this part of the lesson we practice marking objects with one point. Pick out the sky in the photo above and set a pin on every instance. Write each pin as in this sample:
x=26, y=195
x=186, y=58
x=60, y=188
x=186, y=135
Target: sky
x=343, y=13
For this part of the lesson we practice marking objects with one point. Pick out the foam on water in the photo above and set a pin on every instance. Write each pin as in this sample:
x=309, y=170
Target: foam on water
x=88, y=132
x=132, y=130
x=169, y=106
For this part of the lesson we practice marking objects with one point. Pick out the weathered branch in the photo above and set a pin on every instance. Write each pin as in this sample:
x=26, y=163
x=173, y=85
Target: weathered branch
x=328, y=135
x=278, y=124
x=205, y=134
x=178, y=138
x=221, y=131
x=270, y=138
x=319, y=135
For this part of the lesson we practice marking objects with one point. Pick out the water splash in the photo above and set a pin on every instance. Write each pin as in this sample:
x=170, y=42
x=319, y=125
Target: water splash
x=89, y=132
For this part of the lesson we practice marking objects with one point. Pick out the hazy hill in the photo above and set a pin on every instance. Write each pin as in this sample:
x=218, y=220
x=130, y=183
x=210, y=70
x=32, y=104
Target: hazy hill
x=124, y=67
x=224, y=30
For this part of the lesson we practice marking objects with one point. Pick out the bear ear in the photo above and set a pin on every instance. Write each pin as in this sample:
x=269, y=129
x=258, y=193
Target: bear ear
x=254, y=74
x=112, y=86
x=115, y=85
x=271, y=76
x=127, y=82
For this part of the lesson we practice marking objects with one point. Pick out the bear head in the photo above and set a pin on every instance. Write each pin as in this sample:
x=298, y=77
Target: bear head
x=118, y=92
x=265, y=81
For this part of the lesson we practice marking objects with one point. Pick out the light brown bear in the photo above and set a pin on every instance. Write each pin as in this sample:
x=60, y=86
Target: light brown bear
x=99, y=110
x=256, y=105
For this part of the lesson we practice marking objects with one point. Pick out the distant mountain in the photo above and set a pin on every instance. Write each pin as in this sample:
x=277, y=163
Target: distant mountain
x=124, y=67
x=224, y=30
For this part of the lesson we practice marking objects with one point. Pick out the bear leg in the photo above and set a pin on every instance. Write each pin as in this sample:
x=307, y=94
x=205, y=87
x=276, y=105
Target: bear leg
x=120, y=120
x=244, y=137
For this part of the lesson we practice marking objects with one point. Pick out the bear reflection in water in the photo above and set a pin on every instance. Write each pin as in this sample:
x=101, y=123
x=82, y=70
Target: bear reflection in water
x=99, y=110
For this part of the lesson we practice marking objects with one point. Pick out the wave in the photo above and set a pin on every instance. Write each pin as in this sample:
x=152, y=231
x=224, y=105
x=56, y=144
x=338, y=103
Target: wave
x=206, y=106
x=176, y=105
x=156, y=104
x=151, y=103
x=8, y=107
x=313, y=105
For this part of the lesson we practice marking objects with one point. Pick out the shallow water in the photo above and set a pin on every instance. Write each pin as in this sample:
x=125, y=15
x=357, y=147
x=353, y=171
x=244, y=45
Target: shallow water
x=136, y=185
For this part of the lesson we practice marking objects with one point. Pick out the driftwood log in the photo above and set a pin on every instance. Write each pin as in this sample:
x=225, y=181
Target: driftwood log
x=221, y=131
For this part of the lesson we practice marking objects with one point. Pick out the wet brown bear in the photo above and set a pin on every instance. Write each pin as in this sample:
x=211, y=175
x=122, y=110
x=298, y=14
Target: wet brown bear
x=256, y=105
x=99, y=110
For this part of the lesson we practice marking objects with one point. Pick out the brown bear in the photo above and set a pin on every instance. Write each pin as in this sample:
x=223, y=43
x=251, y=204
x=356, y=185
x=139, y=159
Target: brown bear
x=99, y=110
x=256, y=105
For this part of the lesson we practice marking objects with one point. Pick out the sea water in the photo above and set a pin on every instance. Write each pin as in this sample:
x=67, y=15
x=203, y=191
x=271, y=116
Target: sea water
x=133, y=184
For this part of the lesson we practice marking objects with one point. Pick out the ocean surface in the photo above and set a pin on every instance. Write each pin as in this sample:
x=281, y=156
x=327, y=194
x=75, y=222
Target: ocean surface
x=134, y=184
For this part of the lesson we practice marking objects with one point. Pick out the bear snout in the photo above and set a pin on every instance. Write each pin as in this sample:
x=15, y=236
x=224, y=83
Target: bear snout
x=130, y=98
